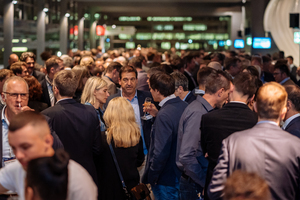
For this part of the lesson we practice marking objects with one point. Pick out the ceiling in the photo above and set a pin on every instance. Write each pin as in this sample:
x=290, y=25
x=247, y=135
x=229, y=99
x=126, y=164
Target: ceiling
x=145, y=8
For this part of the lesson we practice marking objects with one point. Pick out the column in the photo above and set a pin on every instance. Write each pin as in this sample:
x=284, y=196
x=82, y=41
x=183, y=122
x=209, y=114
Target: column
x=93, y=35
x=8, y=32
x=236, y=21
x=41, y=27
x=63, y=34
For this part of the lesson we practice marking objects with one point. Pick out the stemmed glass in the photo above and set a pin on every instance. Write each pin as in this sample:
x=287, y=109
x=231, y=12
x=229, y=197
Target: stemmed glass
x=147, y=105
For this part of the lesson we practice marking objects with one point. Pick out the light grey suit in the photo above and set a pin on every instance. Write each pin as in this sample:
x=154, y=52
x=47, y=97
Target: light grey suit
x=265, y=149
x=111, y=86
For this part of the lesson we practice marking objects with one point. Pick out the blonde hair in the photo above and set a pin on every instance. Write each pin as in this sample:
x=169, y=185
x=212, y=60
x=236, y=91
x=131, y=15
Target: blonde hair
x=92, y=84
x=122, y=127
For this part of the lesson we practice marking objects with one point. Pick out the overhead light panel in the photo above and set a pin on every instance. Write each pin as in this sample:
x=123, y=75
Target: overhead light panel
x=14, y=2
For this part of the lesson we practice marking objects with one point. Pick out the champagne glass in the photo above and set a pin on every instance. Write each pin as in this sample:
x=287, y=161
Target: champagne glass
x=147, y=104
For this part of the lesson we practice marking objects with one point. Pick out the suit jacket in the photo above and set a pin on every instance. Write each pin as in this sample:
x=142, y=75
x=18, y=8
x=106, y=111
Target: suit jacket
x=266, y=150
x=288, y=82
x=294, y=127
x=190, y=98
x=161, y=164
x=78, y=128
x=146, y=124
x=38, y=75
x=57, y=144
x=191, y=82
x=45, y=96
x=218, y=125
x=112, y=88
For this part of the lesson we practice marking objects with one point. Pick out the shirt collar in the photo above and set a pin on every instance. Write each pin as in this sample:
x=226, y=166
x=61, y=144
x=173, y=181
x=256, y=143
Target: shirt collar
x=267, y=122
x=284, y=80
x=172, y=96
x=198, y=91
x=135, y=95
x=4, y=116
x=238, y=102
x=188, y=72
x=286, y=123
x=186, y=96
x=63, y=99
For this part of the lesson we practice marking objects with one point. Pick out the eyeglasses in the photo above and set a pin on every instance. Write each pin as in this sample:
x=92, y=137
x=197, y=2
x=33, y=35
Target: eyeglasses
x=16, y=95
x=275, y=74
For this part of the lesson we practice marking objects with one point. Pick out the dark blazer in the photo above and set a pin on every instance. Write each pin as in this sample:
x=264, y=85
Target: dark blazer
x=38, y=75
x=56, y=141
x=294, y=127
x=190, y=98
x=45, y=96
x=161, y=165
x=146, y=124
x=191, y=83
x=129, y=159
x=218, y=125
x=78, y=128
x=37, y=105
x=268, y=76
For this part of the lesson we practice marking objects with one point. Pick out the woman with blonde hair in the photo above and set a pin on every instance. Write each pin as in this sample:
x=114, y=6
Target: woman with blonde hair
x=95, y=94
x=123, y=134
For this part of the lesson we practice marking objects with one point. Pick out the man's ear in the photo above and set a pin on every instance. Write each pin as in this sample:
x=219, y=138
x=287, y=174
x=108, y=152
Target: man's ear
x=220, y=92
x=288, y=105
x=255, y=106
x=3, y=97
x=29, y=193
x=251, y=99
x=180, y=89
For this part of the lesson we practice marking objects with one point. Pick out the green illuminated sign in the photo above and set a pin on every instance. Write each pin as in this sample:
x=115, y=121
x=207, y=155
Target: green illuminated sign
x=129, y=19
x=169, y=19
x=194, y=27
x=249, y=41
x=297, y=37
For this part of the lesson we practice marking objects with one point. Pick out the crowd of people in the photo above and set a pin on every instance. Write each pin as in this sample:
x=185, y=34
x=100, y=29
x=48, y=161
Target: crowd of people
x=189, y=125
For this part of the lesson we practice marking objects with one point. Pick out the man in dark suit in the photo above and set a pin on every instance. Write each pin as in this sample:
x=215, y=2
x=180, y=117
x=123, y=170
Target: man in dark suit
x=282, y=74
x=234, y=116
x=189, y=67
x=29, y=58
x=189, y=157
x=292, y=117
x=266, y=75
x=161, y=170
x=77, y=125
x=264, y=149
x=52, y=66
x=181, y=88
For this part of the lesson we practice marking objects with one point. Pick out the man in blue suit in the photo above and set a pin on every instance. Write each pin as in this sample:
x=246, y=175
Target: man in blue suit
x=292, y=117
x=161, y=170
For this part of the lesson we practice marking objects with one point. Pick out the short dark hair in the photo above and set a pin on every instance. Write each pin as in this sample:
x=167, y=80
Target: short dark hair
x=45, y=55
x=180, y=80
x=22, y=119
x=150, y=56
x=155, y=70
x=252, y=70
x=217, y=80
x=66, y=82
x=283, y=68
x=127, y=69
x=188, y=59
x=48, y=176
x=26, y=55
x=114, y=65
x=163, y=83
x=245, y=83
x=231, y=62
x=5, y=73
x=290, y=57
x=136, y=62
x=266, y=59
x=16, y=67
x=293, y=92
x=203, y=73
x=51, y=62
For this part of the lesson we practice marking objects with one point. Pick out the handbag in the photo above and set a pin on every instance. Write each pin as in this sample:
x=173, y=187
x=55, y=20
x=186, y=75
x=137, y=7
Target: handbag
x=139, y=192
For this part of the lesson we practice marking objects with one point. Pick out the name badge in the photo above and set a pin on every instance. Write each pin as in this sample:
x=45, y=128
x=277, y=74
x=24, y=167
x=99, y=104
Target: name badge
x=8, y=161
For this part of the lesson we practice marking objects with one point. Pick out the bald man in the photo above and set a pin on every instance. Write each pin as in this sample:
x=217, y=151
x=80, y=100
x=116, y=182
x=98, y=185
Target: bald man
x=12, y=59
x=30, y=138
x=264, y=149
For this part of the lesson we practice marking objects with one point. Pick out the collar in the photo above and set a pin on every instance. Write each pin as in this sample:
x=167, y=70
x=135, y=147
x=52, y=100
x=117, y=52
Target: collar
x=284, y=80
x=238, y=102
x=267, y=122
x=186, y=96
x=198, y=91
x=172, y=96
x=135, y=95
x=63, y=99
x=188, y=72
x=4, y=116
x=286, y=123
x=108, y=78
x=48, y=80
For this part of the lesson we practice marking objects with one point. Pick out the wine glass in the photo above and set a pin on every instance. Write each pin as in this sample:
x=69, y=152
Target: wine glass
x=147, y=104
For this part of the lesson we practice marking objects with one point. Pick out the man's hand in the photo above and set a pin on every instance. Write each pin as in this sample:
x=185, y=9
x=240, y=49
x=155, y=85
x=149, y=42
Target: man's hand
x=26, y=108
x=152, y=110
